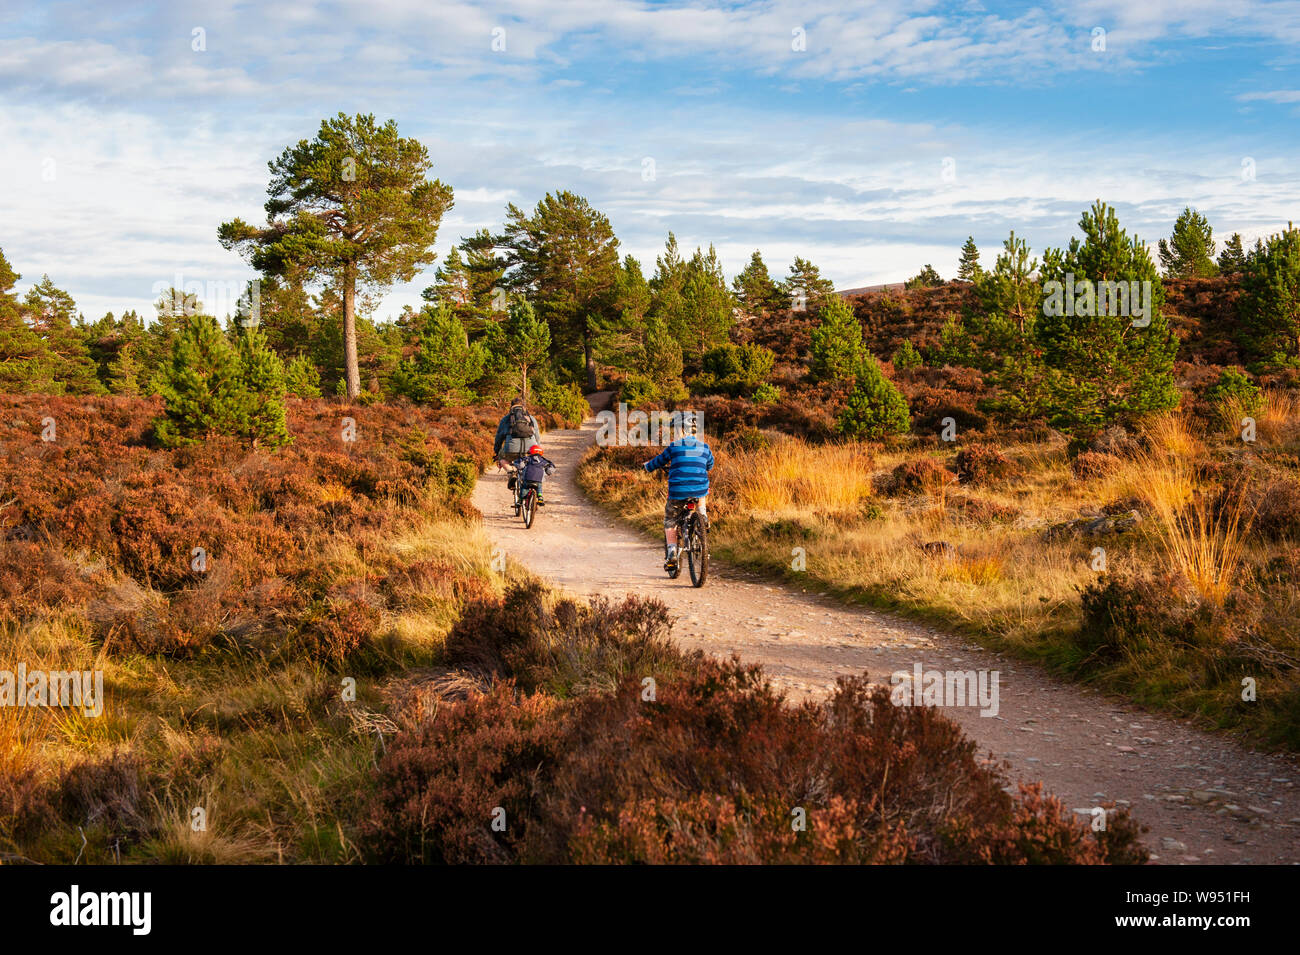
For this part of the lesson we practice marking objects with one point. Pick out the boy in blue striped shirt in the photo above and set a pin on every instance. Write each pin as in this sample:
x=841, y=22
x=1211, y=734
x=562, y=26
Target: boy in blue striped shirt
x=689, y=462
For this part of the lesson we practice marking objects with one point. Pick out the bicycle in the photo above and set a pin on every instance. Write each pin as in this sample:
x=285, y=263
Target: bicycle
x=525, y=501
x=693, y=541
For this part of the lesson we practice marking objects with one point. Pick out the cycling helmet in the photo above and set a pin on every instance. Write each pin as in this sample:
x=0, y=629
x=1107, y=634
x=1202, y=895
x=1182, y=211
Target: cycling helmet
x=535, y=449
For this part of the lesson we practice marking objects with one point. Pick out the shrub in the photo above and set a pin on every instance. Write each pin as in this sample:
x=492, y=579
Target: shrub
x=907, y=356
x=1093, y=464
x=982, y=464
x=733, y=370
x=875, y=408
x=565, y=402
x=1235, y=394
x=766, y=393
x=342, y=631
x=921, y=475
x=708, y=771
x=302, y=377
x=749, y=439
x=930, y=406
x=1269, y=502
x=638, y=390
x=440, y=783
x=559, y=644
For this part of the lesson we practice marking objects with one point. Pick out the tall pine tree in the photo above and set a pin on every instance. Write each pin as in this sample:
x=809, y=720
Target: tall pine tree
x=1102, y=365
x=968, y=269
x=1189, y=253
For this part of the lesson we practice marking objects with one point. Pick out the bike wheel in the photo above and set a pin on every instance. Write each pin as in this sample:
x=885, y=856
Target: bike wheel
x=697, y=551
x=529, y=507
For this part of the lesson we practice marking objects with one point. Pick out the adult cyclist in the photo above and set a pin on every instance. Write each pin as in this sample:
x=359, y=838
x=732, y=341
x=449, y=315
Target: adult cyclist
x=516, y=433
x=689, y=461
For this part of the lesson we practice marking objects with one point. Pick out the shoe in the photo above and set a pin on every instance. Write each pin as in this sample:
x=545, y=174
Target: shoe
x=670, y=564
x=540, y=502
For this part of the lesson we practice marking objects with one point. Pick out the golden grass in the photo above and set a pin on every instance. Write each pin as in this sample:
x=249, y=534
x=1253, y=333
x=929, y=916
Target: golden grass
x=1278, y=420
x=791, y=477
x=1205, y=548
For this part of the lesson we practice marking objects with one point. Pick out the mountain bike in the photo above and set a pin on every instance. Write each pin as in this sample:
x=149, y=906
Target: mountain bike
x=526, y=500
x=693, y=541
x=525, y=494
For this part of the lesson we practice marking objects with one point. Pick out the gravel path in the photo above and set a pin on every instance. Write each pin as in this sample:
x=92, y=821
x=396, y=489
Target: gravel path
x=1205, y=798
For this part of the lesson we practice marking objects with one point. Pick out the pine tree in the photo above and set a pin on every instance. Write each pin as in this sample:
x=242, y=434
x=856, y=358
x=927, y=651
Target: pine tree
x=837, y=345
x=1270, y=299
x=1010, y=290
x=301, y=378
x=444, y=362
x=485, y=270
x=125, y=370
x=1189, y=253
x=621, y=333
x=667, y=288
x=1233, y=256
x=203, y=391
x=353, y=204
x=661, y=362
x=522, y=342
x=1101, y=365
x=708, y=306
x=26, y=363
x=262, y=378
x=927, y=278
x=875, y=409
x=564, y=258
x=968, y=269
x=50, y=312
x=756, y=290
x=451, y=287
x=906, y=356
x=805, y=288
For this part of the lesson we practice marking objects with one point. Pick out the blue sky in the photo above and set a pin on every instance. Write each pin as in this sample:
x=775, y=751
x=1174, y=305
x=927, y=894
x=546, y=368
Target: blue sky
x=122, y=147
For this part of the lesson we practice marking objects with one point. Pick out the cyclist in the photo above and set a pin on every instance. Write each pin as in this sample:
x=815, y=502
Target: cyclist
x=689, y=461
x=533, y=468
x=516, y=433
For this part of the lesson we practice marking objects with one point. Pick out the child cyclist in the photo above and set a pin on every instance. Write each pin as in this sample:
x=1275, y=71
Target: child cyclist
x=533, y=468
x=689, y=461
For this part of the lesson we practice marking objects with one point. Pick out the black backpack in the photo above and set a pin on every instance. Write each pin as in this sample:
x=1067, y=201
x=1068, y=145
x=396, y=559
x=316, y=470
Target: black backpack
x=521, y=425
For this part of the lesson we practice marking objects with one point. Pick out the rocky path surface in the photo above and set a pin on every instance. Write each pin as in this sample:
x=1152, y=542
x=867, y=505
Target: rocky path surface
x=1205, y=798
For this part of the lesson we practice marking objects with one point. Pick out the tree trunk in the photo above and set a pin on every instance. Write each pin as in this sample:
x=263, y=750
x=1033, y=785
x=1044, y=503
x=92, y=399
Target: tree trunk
x=586, y=351
x=353, y=371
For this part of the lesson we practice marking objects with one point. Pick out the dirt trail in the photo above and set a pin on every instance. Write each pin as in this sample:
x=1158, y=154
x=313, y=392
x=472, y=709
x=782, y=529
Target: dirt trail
x=1205, y=798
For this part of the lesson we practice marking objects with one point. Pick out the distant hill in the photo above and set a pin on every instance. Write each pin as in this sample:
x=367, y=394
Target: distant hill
x=888, y=287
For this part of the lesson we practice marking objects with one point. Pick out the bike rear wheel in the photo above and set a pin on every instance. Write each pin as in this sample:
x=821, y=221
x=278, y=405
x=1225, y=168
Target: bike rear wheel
x=697, y=550
x=529, y=506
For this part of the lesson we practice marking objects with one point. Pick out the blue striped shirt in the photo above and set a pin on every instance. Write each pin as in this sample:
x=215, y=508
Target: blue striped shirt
x=689, y=461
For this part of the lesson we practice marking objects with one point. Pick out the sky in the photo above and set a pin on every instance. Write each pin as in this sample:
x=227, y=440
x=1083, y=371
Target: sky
x=869, y=137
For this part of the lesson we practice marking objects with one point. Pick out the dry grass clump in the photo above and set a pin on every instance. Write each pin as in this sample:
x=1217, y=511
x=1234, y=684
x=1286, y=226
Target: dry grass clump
x=791, y=477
